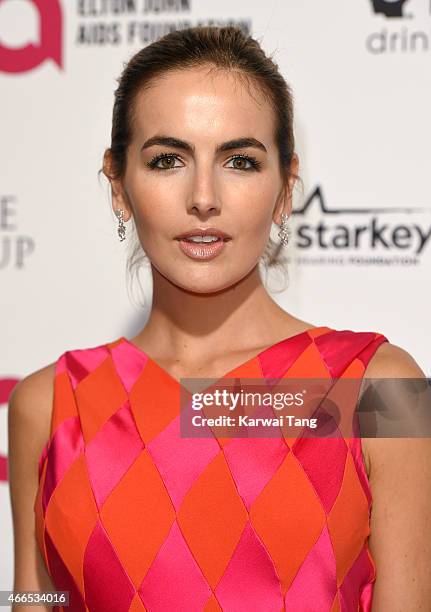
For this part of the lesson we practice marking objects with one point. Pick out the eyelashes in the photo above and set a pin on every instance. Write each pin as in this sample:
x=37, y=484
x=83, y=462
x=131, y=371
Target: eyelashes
x=153, y=163
x=255, y=164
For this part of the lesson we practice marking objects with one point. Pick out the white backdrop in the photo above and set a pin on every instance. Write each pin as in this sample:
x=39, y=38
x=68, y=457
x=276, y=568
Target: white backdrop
x=361, y=78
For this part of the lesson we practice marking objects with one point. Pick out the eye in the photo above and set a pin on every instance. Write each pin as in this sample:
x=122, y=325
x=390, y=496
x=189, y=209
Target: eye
x=244, y=159
x=163, y=157
x=168, y=159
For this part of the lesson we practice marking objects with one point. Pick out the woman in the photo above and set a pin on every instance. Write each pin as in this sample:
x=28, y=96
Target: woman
x=129, y=514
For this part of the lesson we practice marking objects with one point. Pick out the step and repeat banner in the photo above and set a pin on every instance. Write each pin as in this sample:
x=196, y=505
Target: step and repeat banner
x=360, y=246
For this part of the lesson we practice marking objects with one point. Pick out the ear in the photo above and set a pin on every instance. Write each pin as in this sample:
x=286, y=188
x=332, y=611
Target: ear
x=284, y=200
x=118, y=195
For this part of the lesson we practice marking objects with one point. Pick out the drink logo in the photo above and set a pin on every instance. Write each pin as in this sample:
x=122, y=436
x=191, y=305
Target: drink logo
x=389, y=8
x=49, y=45
x=400, y=30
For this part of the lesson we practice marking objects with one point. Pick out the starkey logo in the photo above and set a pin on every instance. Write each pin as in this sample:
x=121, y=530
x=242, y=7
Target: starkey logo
x=389, y=8
x=6, y=386
x=389, y=232
x=48, y=46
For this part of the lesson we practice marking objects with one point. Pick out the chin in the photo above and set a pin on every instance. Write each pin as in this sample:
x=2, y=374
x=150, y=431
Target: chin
x=203, y=277
x=203, y=286
x=204, y=282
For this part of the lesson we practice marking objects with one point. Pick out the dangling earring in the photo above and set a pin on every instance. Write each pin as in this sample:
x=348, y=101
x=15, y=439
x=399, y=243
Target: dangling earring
x=283, y=234
x=121, y=227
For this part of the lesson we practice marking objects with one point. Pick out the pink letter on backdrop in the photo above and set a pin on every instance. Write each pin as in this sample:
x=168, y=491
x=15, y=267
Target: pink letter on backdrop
x=48, y=46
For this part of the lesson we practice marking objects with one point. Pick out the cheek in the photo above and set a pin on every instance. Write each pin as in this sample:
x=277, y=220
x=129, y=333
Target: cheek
x=150, y=211
x=256, y=220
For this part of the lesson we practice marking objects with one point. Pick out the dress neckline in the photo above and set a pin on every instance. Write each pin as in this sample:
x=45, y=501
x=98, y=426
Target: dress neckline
x=228, y=374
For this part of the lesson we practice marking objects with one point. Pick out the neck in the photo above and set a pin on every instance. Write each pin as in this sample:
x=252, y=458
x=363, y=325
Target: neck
x=183, y=322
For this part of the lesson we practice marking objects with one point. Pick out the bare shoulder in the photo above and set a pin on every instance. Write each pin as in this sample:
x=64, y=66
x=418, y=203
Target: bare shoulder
x=36, y=384
x=392, y=361
x=30, y=406
x=389, y=361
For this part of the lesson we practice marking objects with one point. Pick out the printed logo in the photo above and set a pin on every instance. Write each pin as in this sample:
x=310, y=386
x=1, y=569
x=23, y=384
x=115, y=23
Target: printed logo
x=389, y=8
x=399, y=30
x=15, y=247
x=383, y=236
x=48, y=46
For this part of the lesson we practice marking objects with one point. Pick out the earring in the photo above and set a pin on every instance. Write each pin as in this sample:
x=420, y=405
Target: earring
x=283, y=234
x=121, y=230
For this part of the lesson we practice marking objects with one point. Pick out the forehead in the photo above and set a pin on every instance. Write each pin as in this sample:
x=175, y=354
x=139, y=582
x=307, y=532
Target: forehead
x=205, y=102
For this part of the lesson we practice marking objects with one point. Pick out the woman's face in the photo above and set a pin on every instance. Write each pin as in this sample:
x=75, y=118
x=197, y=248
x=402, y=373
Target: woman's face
x=200, y=181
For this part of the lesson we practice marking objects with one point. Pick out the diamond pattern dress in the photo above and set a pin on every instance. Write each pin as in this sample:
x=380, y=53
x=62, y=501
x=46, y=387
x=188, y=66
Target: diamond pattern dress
x=130, y=516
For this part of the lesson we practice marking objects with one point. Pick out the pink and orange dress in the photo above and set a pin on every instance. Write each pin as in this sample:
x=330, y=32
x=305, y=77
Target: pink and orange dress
x=131, y=516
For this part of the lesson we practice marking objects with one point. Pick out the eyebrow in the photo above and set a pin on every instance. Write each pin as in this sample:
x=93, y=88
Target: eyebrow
x=170, y=141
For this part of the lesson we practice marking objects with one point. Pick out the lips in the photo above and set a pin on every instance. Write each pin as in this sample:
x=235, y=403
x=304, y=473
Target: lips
x=207, y=231
x=202, y=251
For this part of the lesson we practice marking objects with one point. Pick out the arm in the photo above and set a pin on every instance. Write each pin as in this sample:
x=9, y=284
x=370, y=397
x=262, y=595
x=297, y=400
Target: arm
x=29, y=417
x=400, y=480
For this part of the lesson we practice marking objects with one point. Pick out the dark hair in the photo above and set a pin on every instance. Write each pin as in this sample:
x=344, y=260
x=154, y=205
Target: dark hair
x=225, y=48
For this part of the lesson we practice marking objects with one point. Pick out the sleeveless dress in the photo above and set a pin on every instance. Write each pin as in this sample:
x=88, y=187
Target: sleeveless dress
x=130, y=516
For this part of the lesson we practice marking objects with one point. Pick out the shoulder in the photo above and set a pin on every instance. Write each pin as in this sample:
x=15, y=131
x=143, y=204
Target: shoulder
x=31, y=399
x=392, y=361
x=34, y=386
x=29, y=421
x=30, y=406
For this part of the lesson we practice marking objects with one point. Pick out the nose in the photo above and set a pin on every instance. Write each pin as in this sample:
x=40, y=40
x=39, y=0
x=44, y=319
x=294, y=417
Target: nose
x=203, y=197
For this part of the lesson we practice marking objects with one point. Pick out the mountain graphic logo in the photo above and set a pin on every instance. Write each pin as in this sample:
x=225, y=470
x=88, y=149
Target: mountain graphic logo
x=365, y=228
x=389, y=8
